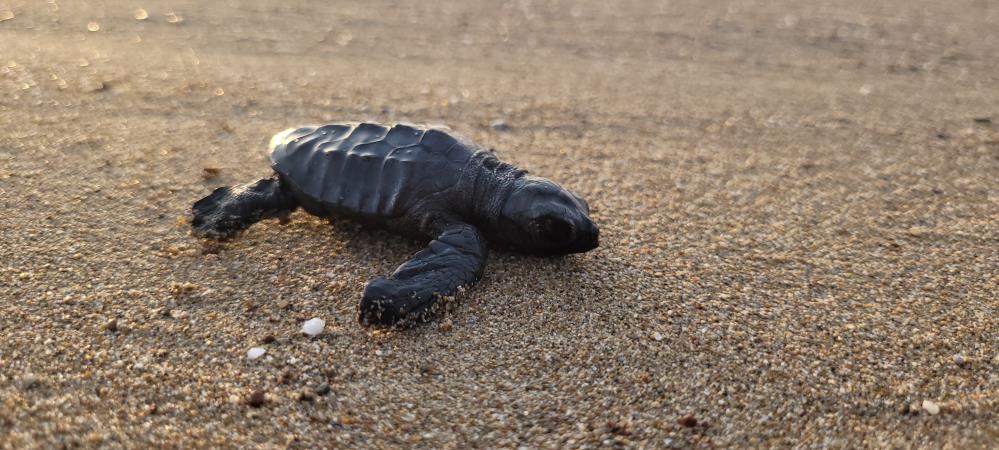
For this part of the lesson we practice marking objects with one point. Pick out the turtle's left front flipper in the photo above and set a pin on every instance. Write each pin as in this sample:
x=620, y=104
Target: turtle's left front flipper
x=231, y=209
x=455, y=259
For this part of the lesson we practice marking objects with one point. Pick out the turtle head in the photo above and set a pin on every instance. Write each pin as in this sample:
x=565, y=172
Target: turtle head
x=542, y=217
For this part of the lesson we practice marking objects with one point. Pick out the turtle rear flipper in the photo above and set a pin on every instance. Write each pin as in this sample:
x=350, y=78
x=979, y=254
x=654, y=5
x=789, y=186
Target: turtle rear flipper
x=231, y=209
x=452, y=261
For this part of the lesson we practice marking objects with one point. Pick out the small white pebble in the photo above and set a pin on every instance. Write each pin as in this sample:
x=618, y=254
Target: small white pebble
x=931, y=407
x=314, y=326
x=255, y=352
x=959, y=359
x=499, y=125
x=657, y=336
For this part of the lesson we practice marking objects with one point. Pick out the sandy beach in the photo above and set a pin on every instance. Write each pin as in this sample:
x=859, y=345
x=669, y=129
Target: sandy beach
x=799, y=204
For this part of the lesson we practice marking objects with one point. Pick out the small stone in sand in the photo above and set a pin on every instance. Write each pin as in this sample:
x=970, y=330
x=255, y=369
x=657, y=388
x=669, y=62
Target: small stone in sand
x=314, y=326
x=687, y=421
x=620, y=428
x=255, y=352
x=657, y=336
x=172, y=17
x=959, y=359
x=500, y=125
x=306, y=396
x=323, y=389
x=30, y=381
x=256, y=398
x=931, y=407
x=208, y=173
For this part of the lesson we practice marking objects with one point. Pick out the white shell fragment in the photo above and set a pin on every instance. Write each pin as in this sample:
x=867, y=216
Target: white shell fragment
x=931, y=407
x=314, y=326
x=255, y=352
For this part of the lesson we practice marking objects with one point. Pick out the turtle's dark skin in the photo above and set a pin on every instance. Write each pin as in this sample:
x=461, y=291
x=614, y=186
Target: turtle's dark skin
x=420, y=182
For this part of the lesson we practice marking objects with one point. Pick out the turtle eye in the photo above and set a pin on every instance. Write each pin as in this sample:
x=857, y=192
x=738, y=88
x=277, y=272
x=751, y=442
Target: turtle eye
x=553, y=229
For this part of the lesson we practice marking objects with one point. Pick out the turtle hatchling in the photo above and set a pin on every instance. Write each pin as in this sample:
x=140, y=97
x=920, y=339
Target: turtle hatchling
x=420, y=182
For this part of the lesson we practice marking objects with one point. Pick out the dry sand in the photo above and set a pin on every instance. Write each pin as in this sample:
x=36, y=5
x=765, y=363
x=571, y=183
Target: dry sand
x=800, y=215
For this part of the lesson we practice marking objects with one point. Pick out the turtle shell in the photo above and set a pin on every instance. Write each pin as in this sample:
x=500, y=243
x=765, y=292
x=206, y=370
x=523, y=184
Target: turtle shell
x=367, y=169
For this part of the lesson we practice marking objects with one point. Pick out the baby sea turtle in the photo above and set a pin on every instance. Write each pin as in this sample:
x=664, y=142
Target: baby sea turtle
x=420, y=182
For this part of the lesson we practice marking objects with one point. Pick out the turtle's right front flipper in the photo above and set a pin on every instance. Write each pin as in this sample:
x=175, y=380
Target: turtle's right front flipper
x=231, y=209
x=454, y=260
